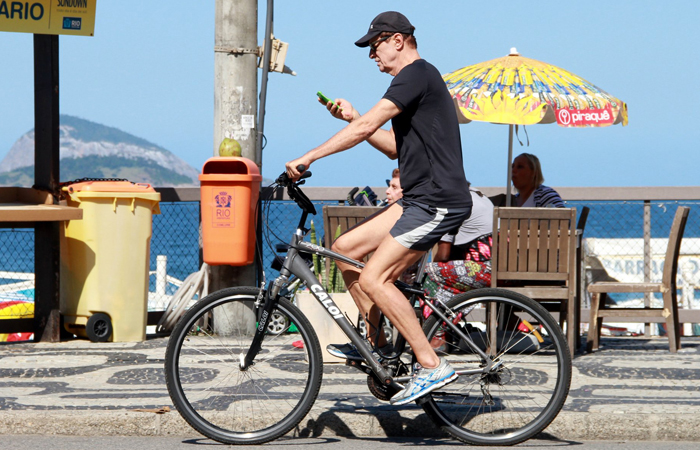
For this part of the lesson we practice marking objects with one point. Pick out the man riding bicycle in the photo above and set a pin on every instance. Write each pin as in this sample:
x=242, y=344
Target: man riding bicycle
x=425, y=138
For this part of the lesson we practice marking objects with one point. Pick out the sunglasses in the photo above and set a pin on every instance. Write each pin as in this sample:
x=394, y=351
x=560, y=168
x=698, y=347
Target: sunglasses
x=373, y=46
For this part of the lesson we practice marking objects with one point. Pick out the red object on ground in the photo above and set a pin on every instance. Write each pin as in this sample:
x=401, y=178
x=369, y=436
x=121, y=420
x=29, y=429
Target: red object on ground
x=298, y=344
x=522, y=327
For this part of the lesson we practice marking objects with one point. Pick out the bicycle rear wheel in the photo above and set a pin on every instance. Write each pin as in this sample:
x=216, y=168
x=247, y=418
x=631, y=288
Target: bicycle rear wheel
x=528, y=387
x=234, y=406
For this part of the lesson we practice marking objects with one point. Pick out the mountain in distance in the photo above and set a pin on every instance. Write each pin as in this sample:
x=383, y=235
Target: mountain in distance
x=92, y=150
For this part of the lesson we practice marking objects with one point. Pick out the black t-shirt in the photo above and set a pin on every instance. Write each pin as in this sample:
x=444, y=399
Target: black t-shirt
x=427, y=138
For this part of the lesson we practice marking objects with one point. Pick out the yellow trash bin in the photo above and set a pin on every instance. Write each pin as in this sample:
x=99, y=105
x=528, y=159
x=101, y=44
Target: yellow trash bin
x=105, y=260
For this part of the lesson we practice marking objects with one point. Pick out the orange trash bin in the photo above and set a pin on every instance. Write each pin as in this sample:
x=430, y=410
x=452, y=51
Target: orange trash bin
x=229, y=190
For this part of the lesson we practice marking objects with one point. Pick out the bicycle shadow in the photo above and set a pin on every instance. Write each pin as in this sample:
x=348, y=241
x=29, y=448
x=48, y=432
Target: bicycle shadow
x=394, y=427
x=372, y=423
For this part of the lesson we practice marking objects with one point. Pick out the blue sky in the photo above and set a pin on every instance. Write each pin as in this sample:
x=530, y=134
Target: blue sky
x=149, y=71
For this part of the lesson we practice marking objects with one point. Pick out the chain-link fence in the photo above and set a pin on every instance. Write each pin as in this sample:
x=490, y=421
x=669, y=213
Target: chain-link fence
x=174, y=250
x=279, y=224
x=614, y=248
x=627, y=241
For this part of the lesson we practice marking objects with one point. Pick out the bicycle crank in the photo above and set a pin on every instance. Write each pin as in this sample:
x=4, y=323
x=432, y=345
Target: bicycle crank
x=383, y=391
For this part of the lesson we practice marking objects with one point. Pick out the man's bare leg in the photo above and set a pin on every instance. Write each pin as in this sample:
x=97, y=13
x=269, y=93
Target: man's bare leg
x=377, y=281
x=356, y=244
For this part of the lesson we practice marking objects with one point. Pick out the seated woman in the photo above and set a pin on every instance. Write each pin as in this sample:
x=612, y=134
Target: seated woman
x=463, y=261
x=527, y=178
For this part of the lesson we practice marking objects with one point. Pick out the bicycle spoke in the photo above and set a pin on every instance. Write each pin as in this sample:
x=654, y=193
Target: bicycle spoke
x=234, y=405
x=528, y=376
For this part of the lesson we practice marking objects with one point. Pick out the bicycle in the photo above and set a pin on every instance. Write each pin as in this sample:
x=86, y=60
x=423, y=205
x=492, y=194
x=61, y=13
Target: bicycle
x=237, y=383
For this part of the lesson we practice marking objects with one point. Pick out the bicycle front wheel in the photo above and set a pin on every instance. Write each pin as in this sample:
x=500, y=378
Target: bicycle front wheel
x=530, y=380
x=241, y=406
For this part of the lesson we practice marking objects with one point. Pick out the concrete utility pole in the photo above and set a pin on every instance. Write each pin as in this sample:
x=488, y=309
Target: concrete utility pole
x=235, y=106
x=235, y=74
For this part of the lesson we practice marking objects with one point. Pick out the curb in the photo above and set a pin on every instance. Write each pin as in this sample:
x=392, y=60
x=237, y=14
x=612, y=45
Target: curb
x=412, y=423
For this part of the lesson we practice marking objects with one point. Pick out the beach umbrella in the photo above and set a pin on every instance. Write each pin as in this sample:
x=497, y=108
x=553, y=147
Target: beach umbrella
x=514, y=90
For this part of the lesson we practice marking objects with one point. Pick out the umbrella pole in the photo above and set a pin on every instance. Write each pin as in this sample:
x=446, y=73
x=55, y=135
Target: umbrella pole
x=510, y=163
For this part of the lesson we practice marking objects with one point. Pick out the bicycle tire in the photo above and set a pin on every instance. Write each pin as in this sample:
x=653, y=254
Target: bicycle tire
x=526, y=392
x=234, y=406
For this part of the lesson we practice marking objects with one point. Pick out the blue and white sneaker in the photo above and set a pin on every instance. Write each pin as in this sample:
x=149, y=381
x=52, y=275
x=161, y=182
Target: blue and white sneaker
x=349, y=351
x=425, y=381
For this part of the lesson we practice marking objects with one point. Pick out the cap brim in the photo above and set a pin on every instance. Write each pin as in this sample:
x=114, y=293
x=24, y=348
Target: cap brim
x=364, y=40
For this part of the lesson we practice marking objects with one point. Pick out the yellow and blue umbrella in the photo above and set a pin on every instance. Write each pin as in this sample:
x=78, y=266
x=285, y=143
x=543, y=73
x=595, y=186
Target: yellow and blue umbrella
x=515, y=90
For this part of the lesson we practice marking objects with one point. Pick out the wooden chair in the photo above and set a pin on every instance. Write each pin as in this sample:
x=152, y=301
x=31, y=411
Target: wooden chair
x=344, y=217
x=668, y=314
x=534, y=253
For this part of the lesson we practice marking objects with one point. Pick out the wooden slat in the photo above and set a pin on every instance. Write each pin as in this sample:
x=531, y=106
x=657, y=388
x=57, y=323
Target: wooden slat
x=523, y=230
x=633, y=312
x=564, y=236
x=532, y=246
x=542, y=293
x=21, y=212
x=552, y=254
x=534, y=213
x=602, y=286
x=684, y=316
x=513, y=236
x=534, y=276
x=502, y=248
x=543, y=246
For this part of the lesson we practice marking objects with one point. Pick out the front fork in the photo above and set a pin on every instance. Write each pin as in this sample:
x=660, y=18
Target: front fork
x=264, y=304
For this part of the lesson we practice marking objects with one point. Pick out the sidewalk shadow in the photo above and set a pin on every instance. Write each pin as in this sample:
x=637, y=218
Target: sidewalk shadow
x=398, y=428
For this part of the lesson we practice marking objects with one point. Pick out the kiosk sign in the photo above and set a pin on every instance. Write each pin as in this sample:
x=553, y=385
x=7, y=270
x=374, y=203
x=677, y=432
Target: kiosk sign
x=71, y=17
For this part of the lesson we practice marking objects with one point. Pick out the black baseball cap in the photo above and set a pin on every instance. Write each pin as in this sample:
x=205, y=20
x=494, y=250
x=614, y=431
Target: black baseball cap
x=387, y=21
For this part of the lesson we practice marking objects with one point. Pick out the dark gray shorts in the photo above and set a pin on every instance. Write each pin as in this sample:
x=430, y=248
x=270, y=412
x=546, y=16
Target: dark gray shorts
x=421, y=226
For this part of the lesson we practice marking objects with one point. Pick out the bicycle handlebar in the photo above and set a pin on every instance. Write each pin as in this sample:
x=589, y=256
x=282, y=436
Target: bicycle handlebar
x=284, y=179
x=293, y=189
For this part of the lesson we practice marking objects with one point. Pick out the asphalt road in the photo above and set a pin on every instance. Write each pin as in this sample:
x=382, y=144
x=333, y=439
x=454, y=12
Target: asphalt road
x=25, y=442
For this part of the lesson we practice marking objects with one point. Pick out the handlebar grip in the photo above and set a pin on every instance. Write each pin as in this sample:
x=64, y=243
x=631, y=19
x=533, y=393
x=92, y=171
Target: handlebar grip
x=304, y=173
x=284, y=179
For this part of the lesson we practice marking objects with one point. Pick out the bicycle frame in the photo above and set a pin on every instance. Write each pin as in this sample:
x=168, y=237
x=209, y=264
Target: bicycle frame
x=294, y=264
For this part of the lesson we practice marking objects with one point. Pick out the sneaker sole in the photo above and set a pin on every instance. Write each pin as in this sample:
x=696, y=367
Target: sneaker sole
x=351, y=358
x=427, y=391
x=344, y=356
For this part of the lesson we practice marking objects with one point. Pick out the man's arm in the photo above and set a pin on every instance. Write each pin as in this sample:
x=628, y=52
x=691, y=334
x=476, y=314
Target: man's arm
x=382, y=140
x=443, y=253
x=362, y=128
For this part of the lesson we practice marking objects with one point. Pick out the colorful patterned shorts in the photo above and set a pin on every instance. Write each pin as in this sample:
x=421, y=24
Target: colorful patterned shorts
x=447, y=279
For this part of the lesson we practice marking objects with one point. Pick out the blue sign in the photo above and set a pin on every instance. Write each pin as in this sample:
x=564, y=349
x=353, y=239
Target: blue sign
x=72, y=23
